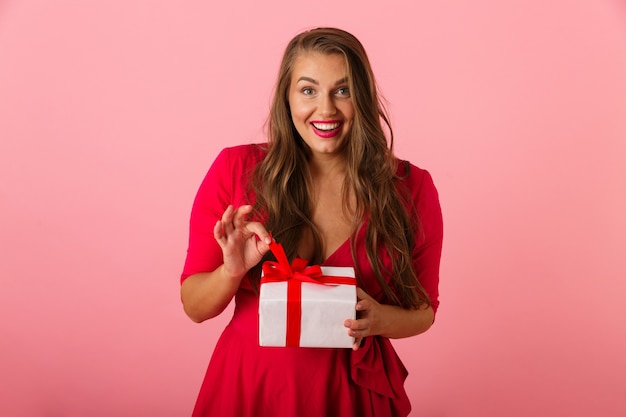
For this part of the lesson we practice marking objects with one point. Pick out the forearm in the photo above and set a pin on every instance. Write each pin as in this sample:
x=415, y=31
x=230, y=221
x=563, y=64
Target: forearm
x=206, y=294
x=396, y=322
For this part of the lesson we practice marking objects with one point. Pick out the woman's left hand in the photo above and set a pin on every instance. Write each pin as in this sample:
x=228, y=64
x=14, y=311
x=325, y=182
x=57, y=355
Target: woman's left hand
x=369, y=318
x=376, y=319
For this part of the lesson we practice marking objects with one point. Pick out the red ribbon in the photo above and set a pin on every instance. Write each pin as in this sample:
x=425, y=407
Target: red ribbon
x=295, y=274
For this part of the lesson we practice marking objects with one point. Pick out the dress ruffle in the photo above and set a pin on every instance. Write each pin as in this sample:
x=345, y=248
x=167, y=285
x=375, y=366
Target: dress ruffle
x=376, y=367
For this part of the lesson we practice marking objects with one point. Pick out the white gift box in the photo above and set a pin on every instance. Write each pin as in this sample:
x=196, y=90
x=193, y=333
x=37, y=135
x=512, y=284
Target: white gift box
x=324, y=308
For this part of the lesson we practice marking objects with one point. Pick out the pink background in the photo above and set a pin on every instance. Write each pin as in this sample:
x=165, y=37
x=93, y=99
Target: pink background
x=111, y=113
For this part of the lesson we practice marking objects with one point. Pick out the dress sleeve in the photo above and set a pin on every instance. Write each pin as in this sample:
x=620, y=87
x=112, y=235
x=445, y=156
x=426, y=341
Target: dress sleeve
x=427, y=253
x=214, y=195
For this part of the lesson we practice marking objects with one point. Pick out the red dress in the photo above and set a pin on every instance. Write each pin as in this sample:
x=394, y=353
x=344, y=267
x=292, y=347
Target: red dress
x=244, y=379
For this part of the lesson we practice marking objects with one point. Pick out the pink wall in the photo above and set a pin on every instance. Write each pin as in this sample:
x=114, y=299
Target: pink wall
x=111, y=112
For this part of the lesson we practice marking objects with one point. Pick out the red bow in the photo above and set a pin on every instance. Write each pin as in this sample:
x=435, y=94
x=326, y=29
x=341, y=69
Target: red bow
x=298, y=270
x=282, y=271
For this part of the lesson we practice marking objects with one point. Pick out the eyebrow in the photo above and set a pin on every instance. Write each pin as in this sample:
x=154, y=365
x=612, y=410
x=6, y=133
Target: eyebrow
x=314, y=81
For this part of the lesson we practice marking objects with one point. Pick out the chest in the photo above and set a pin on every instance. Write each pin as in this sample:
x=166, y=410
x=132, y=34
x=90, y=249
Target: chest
x=332, y=219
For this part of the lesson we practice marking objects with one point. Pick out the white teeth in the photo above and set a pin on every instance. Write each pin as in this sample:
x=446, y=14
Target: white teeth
x=326, y=126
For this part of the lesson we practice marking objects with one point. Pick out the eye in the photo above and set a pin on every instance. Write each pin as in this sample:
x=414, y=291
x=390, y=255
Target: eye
x=343, y=91
x=308, y=91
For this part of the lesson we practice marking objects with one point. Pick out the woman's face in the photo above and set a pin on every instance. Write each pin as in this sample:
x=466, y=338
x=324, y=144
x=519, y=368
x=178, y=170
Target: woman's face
x=320, y=101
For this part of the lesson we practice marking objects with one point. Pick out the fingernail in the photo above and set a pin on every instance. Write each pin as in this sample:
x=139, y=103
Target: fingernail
x=268, y=240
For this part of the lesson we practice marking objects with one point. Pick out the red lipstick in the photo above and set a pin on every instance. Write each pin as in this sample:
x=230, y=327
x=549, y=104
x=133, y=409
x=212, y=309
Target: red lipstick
x=326, y=128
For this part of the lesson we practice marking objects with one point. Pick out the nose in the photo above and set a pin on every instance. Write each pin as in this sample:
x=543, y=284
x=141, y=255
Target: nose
x=327, y=106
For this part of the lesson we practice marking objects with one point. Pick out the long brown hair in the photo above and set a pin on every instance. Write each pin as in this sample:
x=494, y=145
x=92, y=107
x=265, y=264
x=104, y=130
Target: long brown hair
x=282, y=182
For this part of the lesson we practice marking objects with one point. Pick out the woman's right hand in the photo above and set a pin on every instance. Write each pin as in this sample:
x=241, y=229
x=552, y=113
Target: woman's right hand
x=243, y=243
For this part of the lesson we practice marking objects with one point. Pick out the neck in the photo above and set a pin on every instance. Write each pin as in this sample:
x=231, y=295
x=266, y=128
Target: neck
x=327, y=167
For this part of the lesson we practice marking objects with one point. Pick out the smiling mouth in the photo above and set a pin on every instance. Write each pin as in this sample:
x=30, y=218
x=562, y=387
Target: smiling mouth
x=325, y=126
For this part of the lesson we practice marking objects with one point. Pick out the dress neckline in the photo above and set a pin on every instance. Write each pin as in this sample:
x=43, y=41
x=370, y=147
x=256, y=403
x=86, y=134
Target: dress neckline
x=336, y=251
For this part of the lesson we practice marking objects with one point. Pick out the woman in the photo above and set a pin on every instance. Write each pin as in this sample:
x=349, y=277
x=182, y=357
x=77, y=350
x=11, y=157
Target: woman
x=330, y=190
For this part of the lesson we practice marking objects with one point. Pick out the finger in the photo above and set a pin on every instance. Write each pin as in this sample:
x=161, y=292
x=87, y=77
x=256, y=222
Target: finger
x=357, y=343
x=260, y=230
x=365, y=301
x=227, y=219
x=363, y=305
x=218, y=233
x=361, y=294
x=356, y=325
x=359, y=333
x=239, y=216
